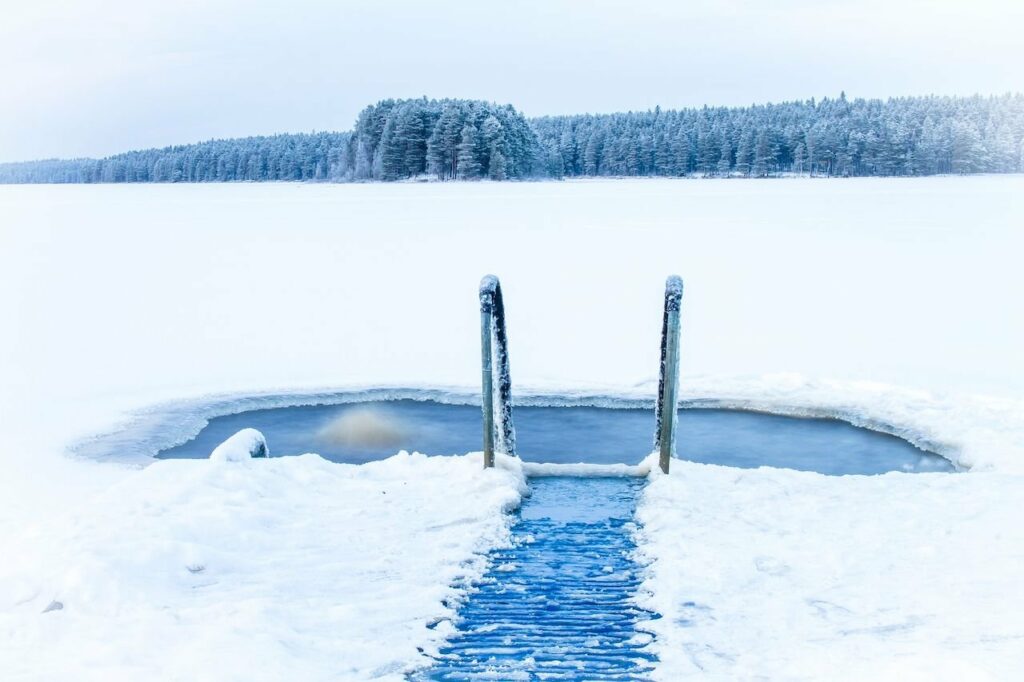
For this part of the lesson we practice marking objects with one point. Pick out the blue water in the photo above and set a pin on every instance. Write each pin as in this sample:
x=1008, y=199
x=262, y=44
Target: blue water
x=581, y=434
x=557, y=605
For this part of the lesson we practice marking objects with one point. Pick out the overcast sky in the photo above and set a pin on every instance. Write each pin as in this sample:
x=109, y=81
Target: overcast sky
x=81, y=78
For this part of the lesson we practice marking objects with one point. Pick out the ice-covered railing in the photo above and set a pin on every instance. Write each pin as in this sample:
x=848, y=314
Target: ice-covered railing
x=500, y=436
x=499, y=432
x=668, y=389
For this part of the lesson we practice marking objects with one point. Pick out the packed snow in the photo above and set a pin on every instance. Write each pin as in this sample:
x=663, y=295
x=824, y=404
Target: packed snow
x=254, y=569
x=788, y=575
x=888, y=302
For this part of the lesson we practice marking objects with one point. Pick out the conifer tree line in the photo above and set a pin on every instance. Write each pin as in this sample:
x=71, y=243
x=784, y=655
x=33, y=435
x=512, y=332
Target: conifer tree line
x=277, y=157
x=467, y=139
x=904, y=136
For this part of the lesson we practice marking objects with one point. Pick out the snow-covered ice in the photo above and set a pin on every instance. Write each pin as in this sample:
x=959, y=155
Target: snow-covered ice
x=892, y=303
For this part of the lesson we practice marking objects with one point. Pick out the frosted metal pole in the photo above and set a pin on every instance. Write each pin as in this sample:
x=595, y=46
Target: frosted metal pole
x=494, y=347
x=488, y=379
x=666, y=414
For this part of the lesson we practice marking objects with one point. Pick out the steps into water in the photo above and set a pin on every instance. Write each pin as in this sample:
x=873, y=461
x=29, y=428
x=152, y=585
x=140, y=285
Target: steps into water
x=558, y=604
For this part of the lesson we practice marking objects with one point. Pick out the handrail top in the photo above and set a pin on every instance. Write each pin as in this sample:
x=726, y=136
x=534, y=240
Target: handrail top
x=490, y=288
x=673, y=292
x=489, y=283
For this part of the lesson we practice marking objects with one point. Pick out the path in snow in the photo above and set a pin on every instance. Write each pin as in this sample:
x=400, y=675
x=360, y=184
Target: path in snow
x=558, y=604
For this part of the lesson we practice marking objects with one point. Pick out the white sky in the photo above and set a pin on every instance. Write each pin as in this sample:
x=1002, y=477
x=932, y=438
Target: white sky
x=93, y=78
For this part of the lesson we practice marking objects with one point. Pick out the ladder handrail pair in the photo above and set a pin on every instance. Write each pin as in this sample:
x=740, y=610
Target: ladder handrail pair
x=494, y=349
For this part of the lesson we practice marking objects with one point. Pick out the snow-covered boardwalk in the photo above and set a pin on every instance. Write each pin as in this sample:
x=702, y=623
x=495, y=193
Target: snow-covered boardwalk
x=559, y=604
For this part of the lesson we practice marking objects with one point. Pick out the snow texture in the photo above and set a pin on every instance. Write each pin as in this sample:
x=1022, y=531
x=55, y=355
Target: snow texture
x=582, y=469
x=787, y=575
x=268, y=569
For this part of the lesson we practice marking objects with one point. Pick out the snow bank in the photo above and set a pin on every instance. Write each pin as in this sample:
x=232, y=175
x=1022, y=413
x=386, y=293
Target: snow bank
x=246, y=444
x=270, y=569
x=777, y=574
x=975, y=432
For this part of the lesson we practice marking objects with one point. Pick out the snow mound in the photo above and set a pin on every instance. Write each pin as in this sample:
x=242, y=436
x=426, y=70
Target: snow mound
x=787, y=575
x=246, y=444
x=297, y=568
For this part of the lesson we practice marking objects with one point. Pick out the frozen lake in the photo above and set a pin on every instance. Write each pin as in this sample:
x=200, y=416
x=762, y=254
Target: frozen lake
x=186, y=289
x=362, y=432
x=884, y=301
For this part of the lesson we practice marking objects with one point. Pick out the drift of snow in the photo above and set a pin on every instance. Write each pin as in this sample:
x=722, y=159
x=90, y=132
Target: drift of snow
x=269, y=569
x=787, y=575
x=246, y=444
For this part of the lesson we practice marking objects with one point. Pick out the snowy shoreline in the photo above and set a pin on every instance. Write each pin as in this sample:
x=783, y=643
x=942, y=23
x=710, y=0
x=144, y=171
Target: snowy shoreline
x=975, y=433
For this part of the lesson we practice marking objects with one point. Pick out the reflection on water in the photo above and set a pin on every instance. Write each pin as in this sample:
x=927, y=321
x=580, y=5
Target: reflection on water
x=363, y=432
x=367, y=427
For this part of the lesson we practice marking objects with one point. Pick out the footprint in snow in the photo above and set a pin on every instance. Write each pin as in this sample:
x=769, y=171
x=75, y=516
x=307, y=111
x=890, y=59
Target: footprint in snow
x=771, y=565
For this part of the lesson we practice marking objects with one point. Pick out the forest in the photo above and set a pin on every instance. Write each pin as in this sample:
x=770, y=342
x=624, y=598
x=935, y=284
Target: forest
x=450, y=139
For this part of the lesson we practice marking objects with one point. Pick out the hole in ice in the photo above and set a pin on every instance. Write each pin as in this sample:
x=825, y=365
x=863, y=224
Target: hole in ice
x=362, y=432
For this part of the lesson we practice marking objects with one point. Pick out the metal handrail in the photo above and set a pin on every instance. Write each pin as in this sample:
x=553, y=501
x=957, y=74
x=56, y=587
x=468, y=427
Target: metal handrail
x=494, y=348
x=501, y=436
x=665, y=429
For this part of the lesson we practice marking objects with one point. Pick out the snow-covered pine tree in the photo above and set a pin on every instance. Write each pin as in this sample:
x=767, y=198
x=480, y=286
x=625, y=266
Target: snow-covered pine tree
x=799, y=158
x=745, y=151
x=469, y=165
x=725, y=156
